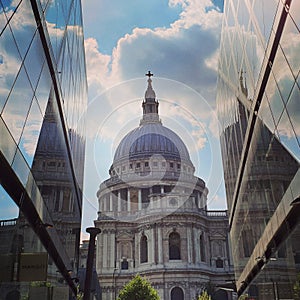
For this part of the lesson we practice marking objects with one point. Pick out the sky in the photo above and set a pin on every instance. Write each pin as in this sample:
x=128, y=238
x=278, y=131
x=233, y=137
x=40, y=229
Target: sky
x=178, y=41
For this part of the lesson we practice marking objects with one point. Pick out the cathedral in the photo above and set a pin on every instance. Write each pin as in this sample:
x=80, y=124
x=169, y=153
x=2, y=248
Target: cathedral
x=154, y=219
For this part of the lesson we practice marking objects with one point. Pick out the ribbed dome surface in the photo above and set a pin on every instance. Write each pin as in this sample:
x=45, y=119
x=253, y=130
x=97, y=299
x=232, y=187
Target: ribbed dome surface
x=151, y=139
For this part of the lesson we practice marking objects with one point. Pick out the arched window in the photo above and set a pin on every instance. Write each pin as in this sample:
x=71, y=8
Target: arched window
x=174, y=246
x=144, y=249
x=177, y=294
x=202, y=248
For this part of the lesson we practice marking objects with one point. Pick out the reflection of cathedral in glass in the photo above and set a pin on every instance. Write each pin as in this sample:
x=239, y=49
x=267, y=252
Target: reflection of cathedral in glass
x=43, y=93
x=154, y=218
x=258, y=107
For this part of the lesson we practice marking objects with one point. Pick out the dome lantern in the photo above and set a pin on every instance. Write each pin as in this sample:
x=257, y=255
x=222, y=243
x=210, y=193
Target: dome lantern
x=150, y=105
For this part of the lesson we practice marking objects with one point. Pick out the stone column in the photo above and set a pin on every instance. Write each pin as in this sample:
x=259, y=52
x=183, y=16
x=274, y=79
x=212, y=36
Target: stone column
x=128, y=200
x=152, y=245
x=99, y=257
x=112, y=249
x=105, y=203
x=189, y=245
x=196, y=245
x=139, y=199
x=111, y=205
x=160, y=245
x=119, y=201
x=61, y=197
x=105, y=245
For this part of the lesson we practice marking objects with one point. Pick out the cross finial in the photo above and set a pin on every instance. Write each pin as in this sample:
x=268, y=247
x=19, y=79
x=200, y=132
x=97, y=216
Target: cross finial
x=149, y=74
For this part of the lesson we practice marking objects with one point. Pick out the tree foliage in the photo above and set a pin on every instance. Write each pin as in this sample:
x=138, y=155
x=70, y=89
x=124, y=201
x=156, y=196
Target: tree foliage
x=138, y=289
x=204, y=296
x=296, y=287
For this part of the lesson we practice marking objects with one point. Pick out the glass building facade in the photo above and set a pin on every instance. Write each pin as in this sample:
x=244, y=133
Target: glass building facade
x=258, y=104
x=43, y=94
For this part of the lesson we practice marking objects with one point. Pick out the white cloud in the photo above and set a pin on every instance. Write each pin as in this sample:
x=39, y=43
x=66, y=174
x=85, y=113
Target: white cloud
x=97, y=65
x=183, y=58
x=195, y=13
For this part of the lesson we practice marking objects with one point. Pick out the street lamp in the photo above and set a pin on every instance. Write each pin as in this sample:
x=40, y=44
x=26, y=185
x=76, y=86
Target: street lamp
x=93, y=231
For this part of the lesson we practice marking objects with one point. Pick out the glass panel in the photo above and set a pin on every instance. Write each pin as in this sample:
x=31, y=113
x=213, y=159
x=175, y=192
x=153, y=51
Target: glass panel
x=283, y=75
x=43, y=89
x=293, y=109
x=243, y=16
x=287, y=135
x=3, y=20
x=279, y=279
x=56, y=23
x=31, y=132
x=230, y=15
x=7, y=145
x=265, y=114
x=17, y=106
x=8, y=209
x=264, y=13
x=34, y=60
x=23, y=27
x=52, y=171
x=10, y=63
x=253, y=61
x=20, y=167
x=44, y=4
x=10, y=5
x=295, y=12
x=290, y=43
x=275, y=104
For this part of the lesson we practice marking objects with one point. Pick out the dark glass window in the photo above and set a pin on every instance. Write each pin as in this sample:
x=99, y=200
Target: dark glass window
x=167, y=189
x=219, y=263
x=156, y=189
x=145, y=198
x=174, y=246
x=124, y=264
x=144, y=249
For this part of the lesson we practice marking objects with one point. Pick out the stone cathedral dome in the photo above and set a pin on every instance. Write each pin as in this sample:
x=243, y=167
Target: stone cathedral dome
x=151, y=138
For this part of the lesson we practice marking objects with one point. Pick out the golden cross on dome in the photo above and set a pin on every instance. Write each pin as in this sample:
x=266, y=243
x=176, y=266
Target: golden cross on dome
x=149, y=74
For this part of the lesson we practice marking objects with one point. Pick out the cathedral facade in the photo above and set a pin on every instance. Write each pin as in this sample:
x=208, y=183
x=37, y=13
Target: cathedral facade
x=154, y=220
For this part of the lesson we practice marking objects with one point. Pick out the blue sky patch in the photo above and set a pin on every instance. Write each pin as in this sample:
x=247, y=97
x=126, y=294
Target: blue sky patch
x=121, y=17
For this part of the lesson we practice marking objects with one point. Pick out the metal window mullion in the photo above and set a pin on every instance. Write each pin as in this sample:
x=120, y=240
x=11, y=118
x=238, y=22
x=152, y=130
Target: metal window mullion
x=50, y=58
x=253, y=117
